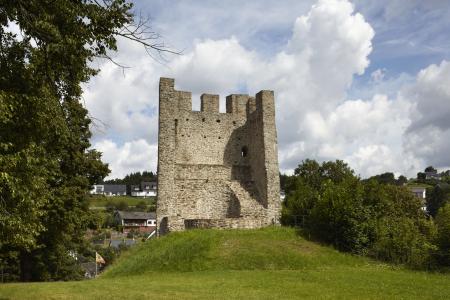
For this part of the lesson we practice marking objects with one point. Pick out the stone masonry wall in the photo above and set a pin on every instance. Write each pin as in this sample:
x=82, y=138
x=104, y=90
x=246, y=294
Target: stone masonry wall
x=216, y=169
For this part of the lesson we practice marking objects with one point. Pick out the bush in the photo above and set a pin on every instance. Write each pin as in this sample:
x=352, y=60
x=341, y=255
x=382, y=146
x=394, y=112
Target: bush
x=141, y=206
x=400, y=240
x=122, y=205
x=339, y=218
x=132, y=234
x=110, y=206
x=109, y=221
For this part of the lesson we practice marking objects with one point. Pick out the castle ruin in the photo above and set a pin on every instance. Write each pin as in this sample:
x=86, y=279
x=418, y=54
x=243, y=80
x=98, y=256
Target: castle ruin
x=216, y=170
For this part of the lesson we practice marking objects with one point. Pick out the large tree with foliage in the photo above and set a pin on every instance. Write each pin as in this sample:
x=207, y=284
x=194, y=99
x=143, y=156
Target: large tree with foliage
x=46, y=164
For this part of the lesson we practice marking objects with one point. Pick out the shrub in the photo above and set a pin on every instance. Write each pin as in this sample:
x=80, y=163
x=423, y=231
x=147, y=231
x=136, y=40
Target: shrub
x=141, y=206
x=122, y=205
x=400, y=241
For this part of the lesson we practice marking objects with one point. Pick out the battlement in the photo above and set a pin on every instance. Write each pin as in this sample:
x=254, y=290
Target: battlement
x=216, y=166
x=241, y=105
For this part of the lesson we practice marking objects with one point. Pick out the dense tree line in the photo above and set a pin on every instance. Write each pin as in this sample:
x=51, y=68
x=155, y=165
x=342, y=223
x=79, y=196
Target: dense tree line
x=372, y=217
x=133, y=178
x=389, y=178
x=46, y=164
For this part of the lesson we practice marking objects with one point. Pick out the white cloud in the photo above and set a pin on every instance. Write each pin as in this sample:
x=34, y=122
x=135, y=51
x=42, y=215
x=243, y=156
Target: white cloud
x=367, y=134
x=328, y=46
x=133, y=156
x=263, y=24
x=214, y=65
x=378, y=75
x=428, y=135
x=310, y=75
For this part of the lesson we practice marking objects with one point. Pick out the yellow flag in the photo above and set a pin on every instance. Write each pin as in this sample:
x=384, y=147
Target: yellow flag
x=99, y=259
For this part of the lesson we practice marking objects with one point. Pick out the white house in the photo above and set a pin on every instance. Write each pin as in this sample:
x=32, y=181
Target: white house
x=433, y=175
x=145, y=189
x=109, y=189
x=421, y=193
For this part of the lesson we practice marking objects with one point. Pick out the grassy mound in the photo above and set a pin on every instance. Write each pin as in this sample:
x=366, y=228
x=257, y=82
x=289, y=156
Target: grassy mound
x=201, y=250
x=270, y=263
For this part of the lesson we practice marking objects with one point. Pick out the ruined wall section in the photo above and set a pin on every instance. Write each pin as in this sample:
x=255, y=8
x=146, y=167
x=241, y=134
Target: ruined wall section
x=264, y=152
x=265, y=108
x=171, y=103
x=214, y=166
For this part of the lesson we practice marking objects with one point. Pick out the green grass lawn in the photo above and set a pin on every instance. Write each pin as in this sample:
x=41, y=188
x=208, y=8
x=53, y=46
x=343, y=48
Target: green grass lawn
x=271, y=263
x=101, y=201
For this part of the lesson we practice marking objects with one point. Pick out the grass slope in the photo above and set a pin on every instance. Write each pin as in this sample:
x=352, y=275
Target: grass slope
x=268, y=263
x=201, y=250
x=102, y=201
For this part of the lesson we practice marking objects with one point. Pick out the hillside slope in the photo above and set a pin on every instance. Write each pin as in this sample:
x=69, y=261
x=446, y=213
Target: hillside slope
x=270, y=263
x=275, y=248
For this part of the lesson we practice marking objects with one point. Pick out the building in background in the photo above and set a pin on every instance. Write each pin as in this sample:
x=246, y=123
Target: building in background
x=421, y=193
x=109, y=189
x=145, y=189
x=136, y=220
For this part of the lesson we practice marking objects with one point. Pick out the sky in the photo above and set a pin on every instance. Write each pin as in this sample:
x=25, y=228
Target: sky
x=367, y=82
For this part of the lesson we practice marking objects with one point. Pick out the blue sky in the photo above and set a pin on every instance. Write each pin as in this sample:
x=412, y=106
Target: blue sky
x=363, y=81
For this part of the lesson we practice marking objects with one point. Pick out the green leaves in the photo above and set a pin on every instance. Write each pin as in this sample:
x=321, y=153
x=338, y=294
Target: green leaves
x=364, y=217
x=22, y=196
x=443, y=236
x=46, y=164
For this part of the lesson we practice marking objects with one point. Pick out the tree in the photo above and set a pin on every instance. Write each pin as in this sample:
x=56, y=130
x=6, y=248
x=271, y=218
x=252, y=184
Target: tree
x=385, y=178
x=421, y=176
x=46, y=164
x=437, y=197
x=402, y=180
x=133, y=178
x=328, y=200
x=443, y=227
x=367, y=217
x=389, y=178
x=430, y=169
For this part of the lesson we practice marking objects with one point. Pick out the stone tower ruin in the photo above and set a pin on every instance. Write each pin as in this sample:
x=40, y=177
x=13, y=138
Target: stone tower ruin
x=216, y=170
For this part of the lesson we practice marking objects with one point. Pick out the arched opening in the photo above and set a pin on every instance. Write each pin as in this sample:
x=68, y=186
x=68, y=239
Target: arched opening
x=244, y=151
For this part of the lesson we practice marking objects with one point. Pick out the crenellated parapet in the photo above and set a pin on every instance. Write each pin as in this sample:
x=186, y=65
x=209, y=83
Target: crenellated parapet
x=241, y=105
